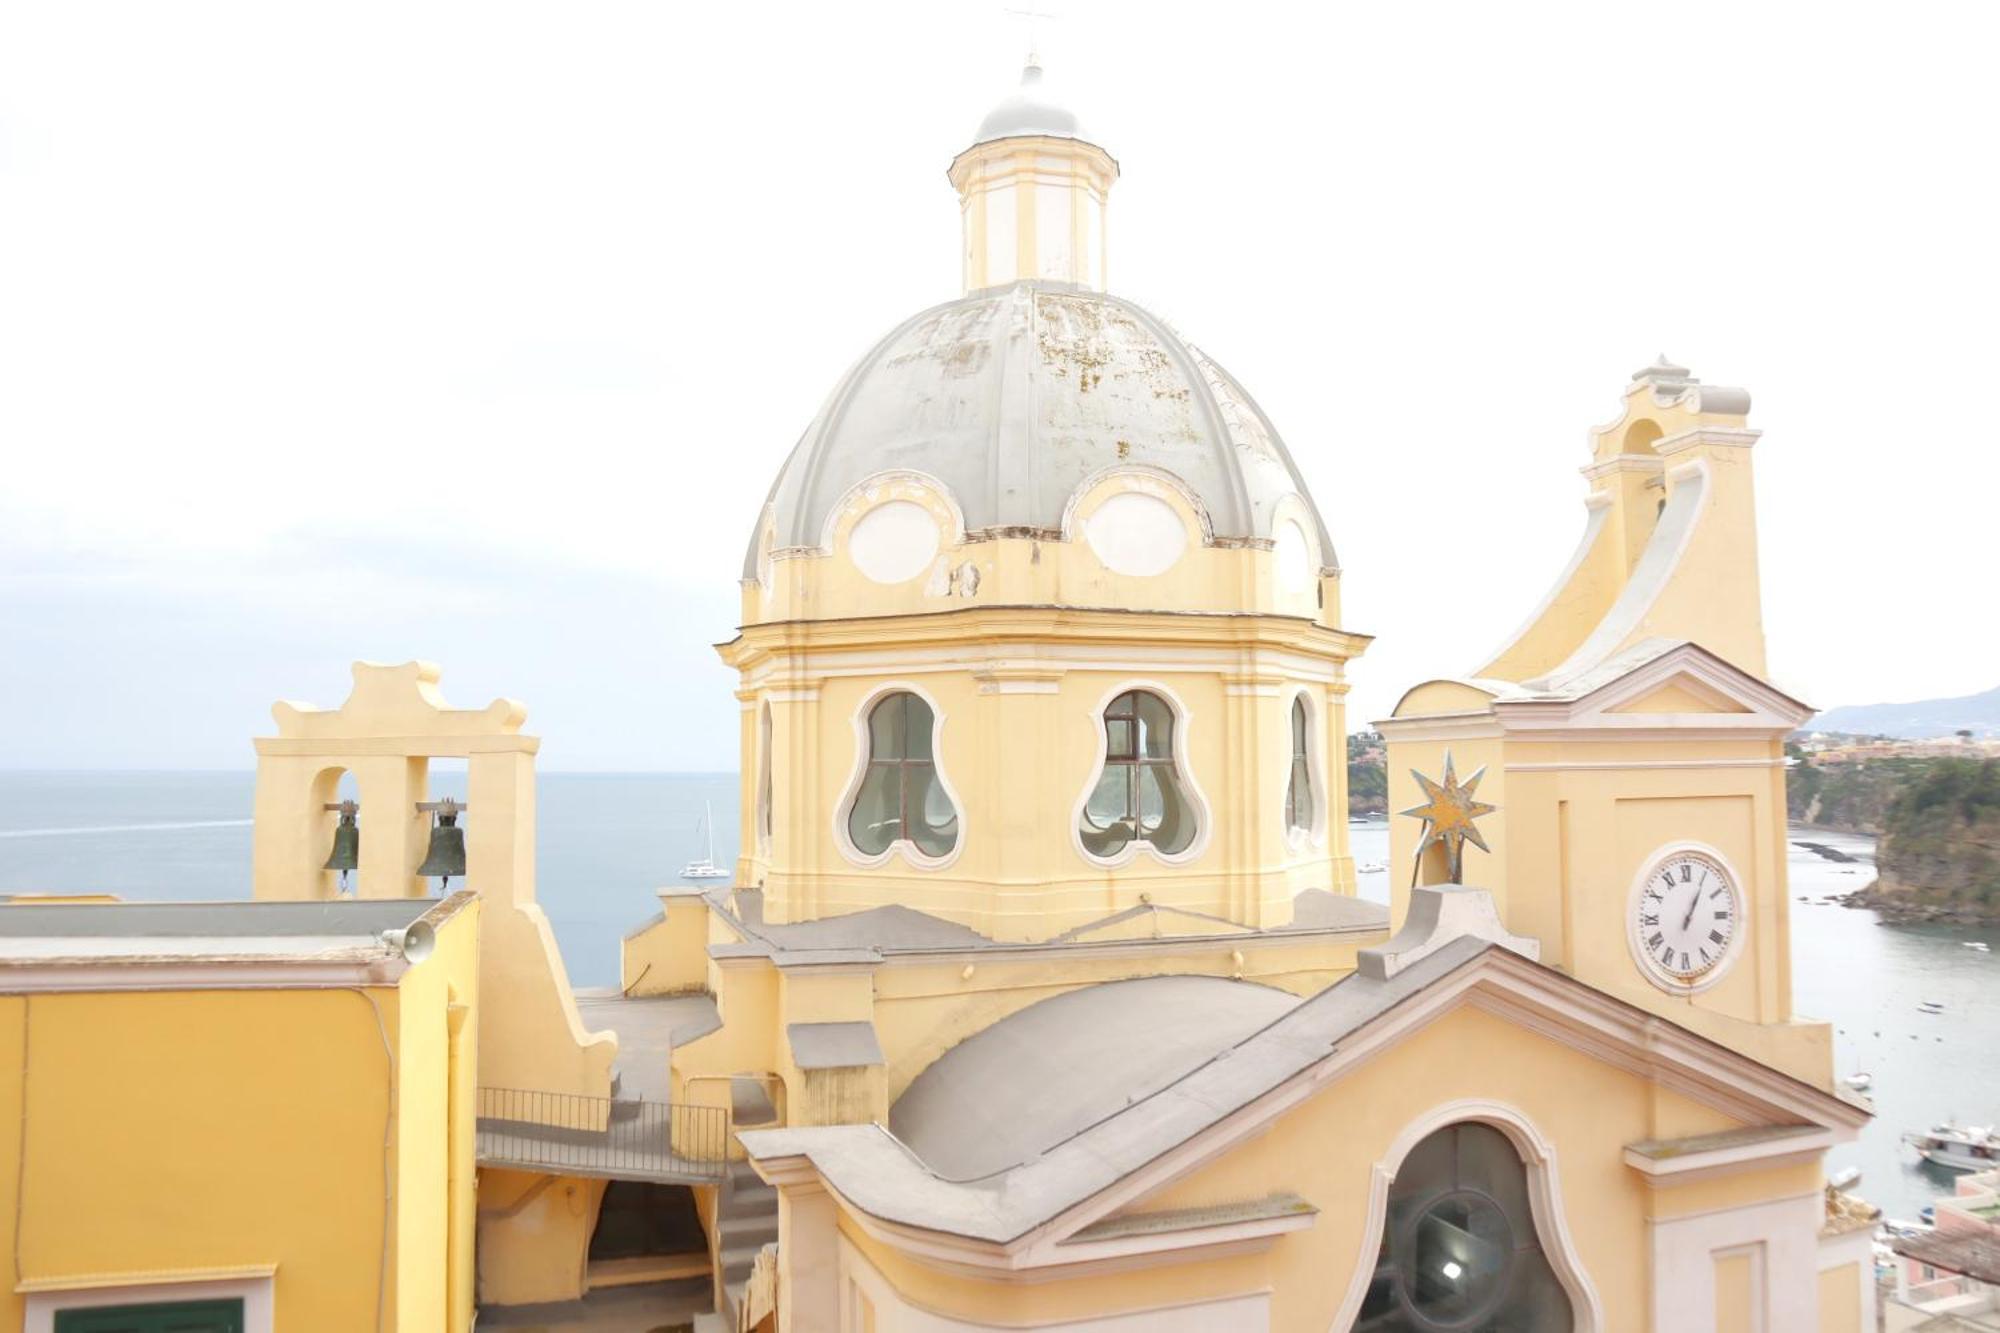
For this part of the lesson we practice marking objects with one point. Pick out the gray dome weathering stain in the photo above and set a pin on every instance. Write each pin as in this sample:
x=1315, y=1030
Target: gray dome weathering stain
x=1014, y=397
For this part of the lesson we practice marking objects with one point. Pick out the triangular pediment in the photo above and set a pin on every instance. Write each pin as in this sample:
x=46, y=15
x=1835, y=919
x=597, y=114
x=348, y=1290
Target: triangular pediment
x=1676, y=687
x=1685, y=693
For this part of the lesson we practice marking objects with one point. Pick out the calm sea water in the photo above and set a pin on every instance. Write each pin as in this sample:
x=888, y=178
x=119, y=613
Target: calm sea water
x=606, y=841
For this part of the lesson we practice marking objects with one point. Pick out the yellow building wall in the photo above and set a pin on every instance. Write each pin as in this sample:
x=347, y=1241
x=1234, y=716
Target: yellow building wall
x=1736, y=1276
x=1580, y=820
x=534, y=1236
x=1018, y=642
x=1839, y=1312
x=185, y=1130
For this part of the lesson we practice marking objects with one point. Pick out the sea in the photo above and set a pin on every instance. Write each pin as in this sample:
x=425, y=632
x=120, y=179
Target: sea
x=606, y=841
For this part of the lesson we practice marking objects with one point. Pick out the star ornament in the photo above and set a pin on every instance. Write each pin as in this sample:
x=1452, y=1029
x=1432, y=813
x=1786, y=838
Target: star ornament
x=1448, y=811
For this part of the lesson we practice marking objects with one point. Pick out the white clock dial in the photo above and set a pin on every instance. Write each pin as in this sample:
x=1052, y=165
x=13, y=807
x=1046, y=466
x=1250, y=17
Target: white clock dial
x=1687, y=915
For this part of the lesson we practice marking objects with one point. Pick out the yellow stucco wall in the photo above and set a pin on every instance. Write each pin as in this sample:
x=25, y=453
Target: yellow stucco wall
x=1018, y=658
x=229, y=1129
x=1839, y=1312
x=534, y=1236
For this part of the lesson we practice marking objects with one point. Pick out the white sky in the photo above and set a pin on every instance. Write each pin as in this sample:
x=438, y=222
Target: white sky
x=476, y=332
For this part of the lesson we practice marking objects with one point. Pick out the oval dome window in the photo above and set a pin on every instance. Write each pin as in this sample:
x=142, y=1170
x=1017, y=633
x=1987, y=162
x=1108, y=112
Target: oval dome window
x=894, y=542
x=1137, y=534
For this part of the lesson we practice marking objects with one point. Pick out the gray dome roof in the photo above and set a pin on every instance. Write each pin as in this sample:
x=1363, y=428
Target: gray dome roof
x=1030, y=109
x=1015, y=396
x=1011, y=1092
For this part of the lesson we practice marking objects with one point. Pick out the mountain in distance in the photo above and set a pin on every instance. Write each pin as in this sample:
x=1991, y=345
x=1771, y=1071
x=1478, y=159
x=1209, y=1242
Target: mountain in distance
x=1922, y=720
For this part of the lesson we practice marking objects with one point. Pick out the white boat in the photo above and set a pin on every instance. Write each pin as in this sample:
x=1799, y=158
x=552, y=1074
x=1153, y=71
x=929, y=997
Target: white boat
x=1859, y=1082
x=1958, y=1148
x=1980, y=945
x=1371, y=867
x=1847, y=1179
x=705, y=867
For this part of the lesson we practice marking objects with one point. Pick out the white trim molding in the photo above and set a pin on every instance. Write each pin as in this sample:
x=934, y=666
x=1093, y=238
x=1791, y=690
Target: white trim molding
x=1313, y=838
x=1183, y=745
x=46, y=1298
x=1538, y=1156
x=1684, y=1250
x=903, y=847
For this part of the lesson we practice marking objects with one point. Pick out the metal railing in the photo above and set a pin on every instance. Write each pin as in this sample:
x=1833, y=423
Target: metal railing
x=609, y=1137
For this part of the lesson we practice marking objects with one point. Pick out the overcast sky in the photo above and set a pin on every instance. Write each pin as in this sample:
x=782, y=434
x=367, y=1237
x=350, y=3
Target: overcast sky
x=476, y=332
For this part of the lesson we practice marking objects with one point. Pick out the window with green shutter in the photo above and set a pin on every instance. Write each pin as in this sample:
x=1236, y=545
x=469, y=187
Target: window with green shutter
x=167, y=1317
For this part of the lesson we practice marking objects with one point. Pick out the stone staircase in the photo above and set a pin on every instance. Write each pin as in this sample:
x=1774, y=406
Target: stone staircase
x=746, y=1221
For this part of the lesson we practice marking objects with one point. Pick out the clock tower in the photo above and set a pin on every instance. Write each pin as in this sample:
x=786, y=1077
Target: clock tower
x=1631, y=744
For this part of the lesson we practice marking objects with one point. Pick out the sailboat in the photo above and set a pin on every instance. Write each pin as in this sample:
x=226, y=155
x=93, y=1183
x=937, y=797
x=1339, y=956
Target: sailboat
x=705, y=867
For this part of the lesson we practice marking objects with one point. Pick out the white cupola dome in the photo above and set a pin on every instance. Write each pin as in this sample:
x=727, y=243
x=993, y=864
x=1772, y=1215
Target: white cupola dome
x=1014, y=398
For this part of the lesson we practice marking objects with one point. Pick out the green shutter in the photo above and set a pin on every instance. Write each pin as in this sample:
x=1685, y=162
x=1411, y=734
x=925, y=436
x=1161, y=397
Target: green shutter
x=172, y=1317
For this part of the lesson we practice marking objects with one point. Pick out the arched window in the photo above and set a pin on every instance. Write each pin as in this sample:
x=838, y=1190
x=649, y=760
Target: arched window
x=1299, y=791
x=901, y=798
x=1138, y=795
x=1459, y=1246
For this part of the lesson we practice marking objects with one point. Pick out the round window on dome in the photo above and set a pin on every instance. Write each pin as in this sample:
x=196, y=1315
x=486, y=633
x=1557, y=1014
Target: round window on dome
x=894, y=542
x=1137, y=534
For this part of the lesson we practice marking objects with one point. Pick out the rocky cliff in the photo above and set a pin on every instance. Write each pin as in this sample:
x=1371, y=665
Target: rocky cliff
x=1939, y=858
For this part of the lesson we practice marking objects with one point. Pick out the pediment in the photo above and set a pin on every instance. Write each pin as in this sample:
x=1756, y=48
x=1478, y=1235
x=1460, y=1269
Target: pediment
x=1673, y=688
x=1685, y=693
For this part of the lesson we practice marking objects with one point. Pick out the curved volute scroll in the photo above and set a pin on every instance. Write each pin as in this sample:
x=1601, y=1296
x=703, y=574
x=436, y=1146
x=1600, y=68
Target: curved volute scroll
x=397, y=700
x=1669, y=542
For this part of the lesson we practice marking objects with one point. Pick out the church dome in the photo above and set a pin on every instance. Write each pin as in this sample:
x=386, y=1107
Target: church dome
x=1030, y=109
x=1015, y=397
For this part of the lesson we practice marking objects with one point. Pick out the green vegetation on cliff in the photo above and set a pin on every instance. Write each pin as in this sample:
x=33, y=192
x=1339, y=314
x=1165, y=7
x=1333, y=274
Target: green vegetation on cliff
x=1852, y=798
x=1940, y=848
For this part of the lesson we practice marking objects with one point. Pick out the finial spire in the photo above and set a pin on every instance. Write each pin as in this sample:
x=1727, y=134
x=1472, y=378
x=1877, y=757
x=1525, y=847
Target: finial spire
x=1034, y=63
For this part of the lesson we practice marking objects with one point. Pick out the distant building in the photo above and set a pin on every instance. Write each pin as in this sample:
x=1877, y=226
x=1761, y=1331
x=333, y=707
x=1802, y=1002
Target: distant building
x=1949, y=1277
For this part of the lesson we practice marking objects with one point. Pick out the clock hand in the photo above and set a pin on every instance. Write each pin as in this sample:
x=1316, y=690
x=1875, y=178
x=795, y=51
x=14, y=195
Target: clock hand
x=1693, y=903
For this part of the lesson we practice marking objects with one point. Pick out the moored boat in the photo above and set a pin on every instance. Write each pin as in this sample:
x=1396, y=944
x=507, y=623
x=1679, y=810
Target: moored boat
x=705, y=867
x=1958, y=1148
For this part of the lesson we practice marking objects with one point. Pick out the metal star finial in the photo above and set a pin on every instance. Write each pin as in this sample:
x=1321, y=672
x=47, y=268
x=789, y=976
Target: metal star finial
x=1448, y=812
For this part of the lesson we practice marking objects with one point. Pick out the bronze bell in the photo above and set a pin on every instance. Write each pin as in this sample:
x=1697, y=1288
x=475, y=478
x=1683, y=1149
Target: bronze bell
x=346, y=853
x=446, y=856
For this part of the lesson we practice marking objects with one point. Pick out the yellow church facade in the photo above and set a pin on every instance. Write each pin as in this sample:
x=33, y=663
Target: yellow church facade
x=1040, y=995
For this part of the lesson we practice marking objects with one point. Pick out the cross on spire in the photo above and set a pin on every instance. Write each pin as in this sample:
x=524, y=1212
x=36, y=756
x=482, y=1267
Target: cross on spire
x=1034, y=47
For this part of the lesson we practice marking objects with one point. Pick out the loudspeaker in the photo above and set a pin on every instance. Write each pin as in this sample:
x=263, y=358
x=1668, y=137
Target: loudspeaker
x=415, y=944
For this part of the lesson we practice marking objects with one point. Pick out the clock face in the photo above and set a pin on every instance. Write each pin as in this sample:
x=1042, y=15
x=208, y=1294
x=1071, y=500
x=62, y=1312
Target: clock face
x=1687, y=915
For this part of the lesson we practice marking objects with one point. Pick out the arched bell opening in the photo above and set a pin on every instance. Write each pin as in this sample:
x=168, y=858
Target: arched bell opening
x=444, y=810
x=1639, y=439
x=1461, y=1245
x=336, y=801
